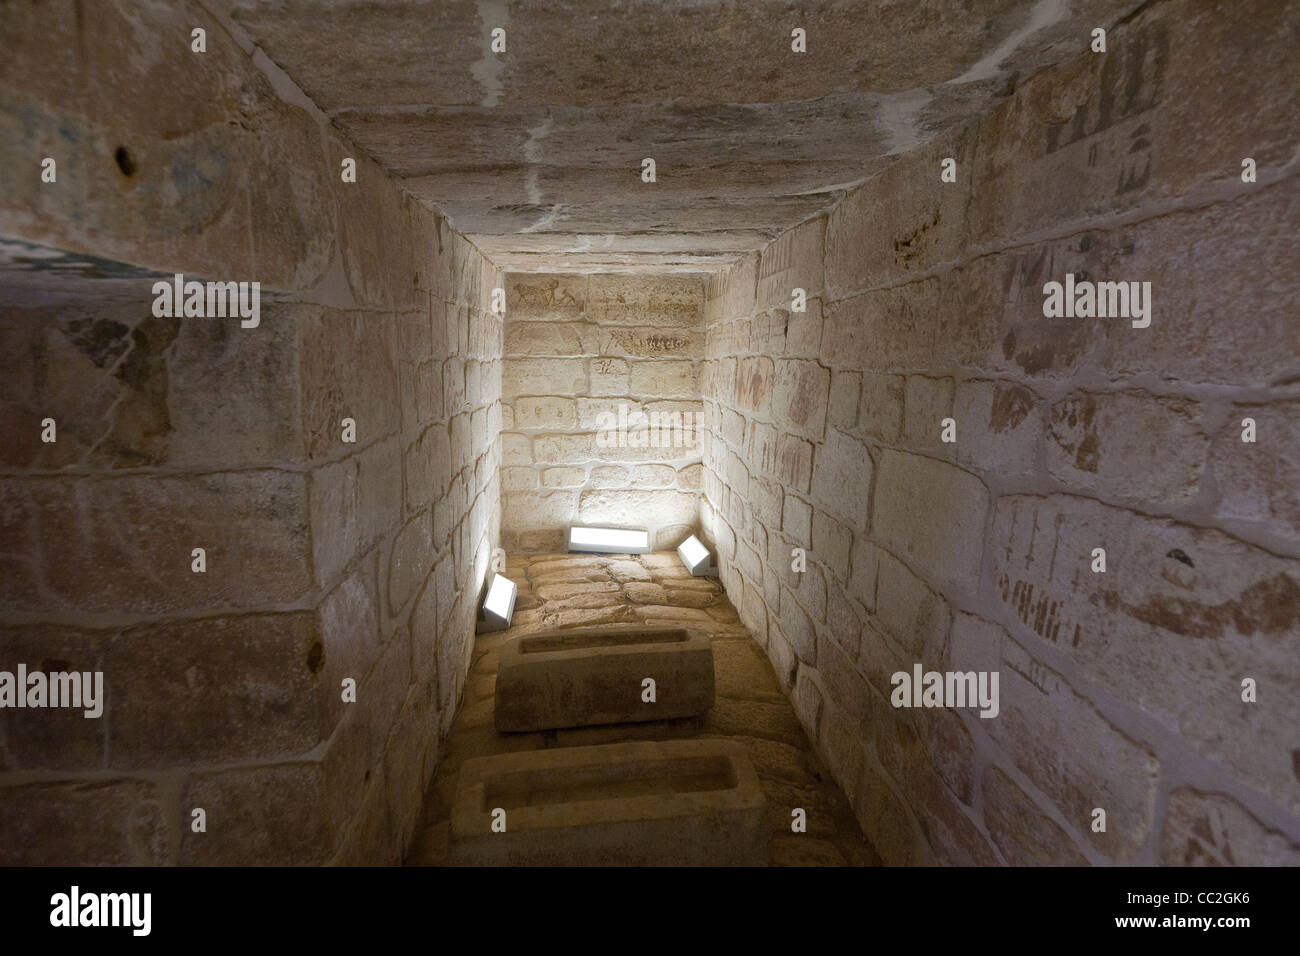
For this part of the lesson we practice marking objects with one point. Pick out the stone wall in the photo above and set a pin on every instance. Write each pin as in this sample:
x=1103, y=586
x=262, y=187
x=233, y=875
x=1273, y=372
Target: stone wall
x=326, y=560
x=1119, y=690
x=598, y=370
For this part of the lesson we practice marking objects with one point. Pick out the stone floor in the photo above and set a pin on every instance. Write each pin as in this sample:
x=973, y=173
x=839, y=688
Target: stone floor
x=564, y=590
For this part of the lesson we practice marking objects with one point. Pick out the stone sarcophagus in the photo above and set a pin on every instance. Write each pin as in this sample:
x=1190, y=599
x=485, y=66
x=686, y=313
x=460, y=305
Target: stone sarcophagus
x=605, y=675
x=645, y=803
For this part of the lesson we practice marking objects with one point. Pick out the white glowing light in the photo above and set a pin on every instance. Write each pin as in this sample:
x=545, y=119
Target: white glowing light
x=498, y=604
x=620, y=540
x=695, y=556
x=500, y=596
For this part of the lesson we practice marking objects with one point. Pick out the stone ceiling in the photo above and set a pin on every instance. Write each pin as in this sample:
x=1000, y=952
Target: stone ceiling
x=536, y=153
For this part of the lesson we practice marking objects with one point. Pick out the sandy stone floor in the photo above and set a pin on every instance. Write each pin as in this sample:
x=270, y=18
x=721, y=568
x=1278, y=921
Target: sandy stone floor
x=564, y=590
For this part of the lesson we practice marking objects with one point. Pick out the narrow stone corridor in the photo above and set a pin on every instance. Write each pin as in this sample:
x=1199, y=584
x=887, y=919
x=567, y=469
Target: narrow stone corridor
x=567, y=590
x=957, y=340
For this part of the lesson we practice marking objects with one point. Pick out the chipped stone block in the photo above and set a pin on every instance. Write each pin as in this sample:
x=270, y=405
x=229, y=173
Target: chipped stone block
x=678, y=802
x=595, y=676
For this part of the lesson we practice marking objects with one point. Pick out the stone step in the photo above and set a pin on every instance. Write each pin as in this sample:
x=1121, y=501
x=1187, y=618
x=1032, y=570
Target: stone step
x=645, y=803
x=586, y=676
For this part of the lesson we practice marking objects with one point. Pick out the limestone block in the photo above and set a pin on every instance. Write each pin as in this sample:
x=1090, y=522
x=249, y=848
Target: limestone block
x=794, y=460
x=577, y=678
x=566, y=476
x=889, y=229
x=548, y=297
x=831, y=542
x=653, y=476
x=1210, y=829
x=933, y=514
x=1074, y=755
x=1189, y=612
x=636, y=507
x=347, y=371
x=124, y=543
x=532, y=414
x=927, y=402
x=1257, y=480
x=651, y=342
x=83, y=823
x=411, y=560
x=676, y=802
x=888, y=329
x=610, y=476
x=551, y=338
x=175, y=700
x=516, y=449
x=609, y=376
x=283, y=809
x=1127, y=445
x=754, y=385
x=796, y=521
x=999, y=427
x=800, y=394
x=914, y=615
x=846, y=391
x=1025, y=835
x=379, y=489
x=543, y=376
x=792, y=261
x=658, y=301
x=841, y=478
x=1118, y=155
x=662, y=378
x=535, y=511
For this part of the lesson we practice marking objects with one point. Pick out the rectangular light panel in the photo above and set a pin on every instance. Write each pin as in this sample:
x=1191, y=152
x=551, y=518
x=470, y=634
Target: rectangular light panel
x=610, y=540
x=498, y=604
x=696, y=557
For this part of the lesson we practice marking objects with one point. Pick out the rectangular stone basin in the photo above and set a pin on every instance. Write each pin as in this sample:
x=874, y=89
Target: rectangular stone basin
x=595, y=676
x=644, y=803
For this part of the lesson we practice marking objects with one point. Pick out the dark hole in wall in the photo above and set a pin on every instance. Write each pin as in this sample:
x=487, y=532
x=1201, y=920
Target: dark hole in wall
x=125, y=161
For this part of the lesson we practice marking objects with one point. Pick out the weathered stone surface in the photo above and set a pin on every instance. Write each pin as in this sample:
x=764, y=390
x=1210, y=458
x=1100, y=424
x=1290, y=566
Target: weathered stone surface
x=661, y=302
x=663, y=379
x=1210, y=829
x=281, y=808
x=841, y=478
x=549, y=414
x=754, y=385
x=1255, y=480
x=124, y=544
x=793, y=261
x=891, y=229
x=999, y=427
x=347, y=371
x=580, y=677
x=543, y=376
x=800, y=394
x=411, y=559
x=1065, y=126
x=934, y=514
x=927, y=402
x=609, y=377
x=529, y=511
x=1188, y=613
x=548, y=297
x=1073, y=754
x=1127, y=446
x=173, y=703
x=100, y=823
x=636, y=508
x=607, y=809
x=1024, y=834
